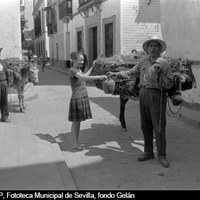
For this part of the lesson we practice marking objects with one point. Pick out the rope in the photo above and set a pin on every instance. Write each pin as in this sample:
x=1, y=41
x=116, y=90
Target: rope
x=180, y=102
x=171, y=109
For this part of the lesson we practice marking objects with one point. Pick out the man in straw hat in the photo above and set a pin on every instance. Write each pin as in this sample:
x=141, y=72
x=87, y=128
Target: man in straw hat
x=3, y=91
x=155, y=76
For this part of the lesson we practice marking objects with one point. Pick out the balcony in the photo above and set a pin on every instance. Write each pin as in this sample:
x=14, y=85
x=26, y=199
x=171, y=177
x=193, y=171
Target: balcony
x=65, y=9
x=48, y=15
x=84, y=4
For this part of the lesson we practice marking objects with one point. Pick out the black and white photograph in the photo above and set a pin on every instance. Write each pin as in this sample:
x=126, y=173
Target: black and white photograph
x=99, y=98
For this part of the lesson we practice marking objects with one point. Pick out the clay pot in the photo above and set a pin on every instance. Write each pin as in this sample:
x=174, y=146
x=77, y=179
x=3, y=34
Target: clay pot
x=108, y=86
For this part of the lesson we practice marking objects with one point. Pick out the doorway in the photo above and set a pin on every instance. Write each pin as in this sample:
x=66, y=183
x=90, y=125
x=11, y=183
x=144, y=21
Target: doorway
x=68, y=63
x=93, y=46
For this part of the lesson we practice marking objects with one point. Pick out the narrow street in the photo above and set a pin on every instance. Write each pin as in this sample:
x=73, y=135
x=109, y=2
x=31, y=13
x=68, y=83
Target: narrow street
x=36, y=150
x=110, y=160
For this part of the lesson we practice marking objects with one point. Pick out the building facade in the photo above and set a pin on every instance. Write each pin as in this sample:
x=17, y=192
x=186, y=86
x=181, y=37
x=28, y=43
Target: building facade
x=59, y=14
x=181, y=31
x=28, y=28
x=10, y=37
x=101, y=27
x=41, y=39
x=108, y=27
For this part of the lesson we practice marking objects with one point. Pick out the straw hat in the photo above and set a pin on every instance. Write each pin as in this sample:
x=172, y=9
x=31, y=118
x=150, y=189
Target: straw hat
x=155, y=39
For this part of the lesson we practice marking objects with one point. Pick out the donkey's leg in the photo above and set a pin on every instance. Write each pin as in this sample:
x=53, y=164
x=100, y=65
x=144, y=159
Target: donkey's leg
x=123, y=101
x=23, y=102
x=20, y=99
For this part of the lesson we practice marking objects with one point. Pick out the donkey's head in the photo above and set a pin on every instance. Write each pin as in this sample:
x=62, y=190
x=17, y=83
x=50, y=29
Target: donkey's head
x=33, y=75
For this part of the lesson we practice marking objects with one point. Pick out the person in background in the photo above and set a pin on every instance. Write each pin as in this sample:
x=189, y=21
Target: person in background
x=44, y=61
x=155, y=77
x=33, y=62
x=85, y=63
x=30, y=54
x=4, y=84
x=79, y=107
x=36, y=59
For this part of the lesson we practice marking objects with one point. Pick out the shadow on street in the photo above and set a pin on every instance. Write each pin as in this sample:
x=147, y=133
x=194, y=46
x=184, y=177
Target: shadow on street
x=97, y=135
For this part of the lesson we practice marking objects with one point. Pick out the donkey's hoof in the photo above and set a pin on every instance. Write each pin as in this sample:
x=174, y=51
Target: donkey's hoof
x=24, y=107
x=124, y=129
x=22, y=110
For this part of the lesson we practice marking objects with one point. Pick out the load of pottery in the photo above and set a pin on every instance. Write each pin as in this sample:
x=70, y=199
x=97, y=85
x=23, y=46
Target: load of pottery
x=129, y=86
x=125, y=86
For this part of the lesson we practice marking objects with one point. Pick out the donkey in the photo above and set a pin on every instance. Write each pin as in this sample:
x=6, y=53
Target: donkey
x=183, y=79
x=127, y=89
x=27, y=73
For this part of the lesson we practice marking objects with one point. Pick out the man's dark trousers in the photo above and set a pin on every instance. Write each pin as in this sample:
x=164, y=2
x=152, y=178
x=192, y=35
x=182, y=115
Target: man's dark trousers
x=4, y=100
x=150, y=110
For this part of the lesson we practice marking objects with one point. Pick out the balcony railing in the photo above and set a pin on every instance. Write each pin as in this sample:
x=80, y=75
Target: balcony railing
x=51, y=20
x=83, y=3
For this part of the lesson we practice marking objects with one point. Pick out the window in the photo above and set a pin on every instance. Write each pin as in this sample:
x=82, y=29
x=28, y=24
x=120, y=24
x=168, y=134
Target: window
x=79, y=40
x=44, y=50
x=57, y=51
x=37, y=25
x=109, y=39
x=54, y=21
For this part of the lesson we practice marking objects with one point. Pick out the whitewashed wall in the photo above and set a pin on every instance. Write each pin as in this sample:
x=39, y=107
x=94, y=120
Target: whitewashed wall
x=181, y=29
x=193, y=95
x=136, y=21
x=139, y=22
x=57, y=38
x=10, y=37
x=28, y=14
x=76, y=22
x=110, y=8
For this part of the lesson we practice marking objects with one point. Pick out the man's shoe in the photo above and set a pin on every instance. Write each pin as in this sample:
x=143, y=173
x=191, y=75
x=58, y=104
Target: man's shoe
x=145, y=157
x=5, y=120
x=164, y=162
